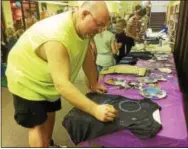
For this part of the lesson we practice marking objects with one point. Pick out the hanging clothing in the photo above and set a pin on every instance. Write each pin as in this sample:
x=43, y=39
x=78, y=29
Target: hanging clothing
x=134, y=115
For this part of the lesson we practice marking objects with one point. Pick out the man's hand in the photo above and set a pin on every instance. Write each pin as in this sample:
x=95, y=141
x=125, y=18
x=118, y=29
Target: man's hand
x=99, y=88
x=105, y=112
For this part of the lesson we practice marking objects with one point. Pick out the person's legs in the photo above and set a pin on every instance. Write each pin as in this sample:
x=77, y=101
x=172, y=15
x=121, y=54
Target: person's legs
x=36, y=136
x=38, y=117
x=49, y=126
x=40, y=136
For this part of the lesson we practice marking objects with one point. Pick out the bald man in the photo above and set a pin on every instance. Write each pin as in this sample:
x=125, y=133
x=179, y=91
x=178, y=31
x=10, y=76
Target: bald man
x=44, y=63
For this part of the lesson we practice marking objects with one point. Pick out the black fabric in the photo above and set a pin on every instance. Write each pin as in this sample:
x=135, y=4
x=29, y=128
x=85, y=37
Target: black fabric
x=131, y=60
x=137, y=117
x=152, y=40
x=181, y=52
x=125, y=40
x=32, y=113
x=181, y=47
x=142, y=55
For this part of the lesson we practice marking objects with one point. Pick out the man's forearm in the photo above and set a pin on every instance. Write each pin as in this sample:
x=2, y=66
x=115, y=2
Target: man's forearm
x=76, y=98
x=89, y=68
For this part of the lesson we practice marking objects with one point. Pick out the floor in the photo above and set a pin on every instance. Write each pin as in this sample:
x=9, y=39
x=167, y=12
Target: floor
x=14, y=135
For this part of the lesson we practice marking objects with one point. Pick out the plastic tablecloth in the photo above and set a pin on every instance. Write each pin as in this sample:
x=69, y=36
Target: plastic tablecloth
x=174, y=131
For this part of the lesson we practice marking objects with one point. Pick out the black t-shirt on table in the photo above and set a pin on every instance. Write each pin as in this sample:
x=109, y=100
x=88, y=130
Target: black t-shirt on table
x=135, y=115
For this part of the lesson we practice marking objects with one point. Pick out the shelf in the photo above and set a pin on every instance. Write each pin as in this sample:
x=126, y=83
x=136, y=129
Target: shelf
x=172, y=18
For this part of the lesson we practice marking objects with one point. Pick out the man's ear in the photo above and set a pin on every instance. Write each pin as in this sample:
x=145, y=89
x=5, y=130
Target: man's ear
x=84, y=13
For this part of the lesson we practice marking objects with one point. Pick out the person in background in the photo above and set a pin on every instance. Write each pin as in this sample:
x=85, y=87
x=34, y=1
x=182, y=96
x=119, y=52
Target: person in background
x=4, y=52
x=118, y=18
x=44, y=14
x=11, y=39
x=19, y=32
x=124, y=43
x=133, y=29
x=112, y=25
x=144, y=23
x=50, y=54
x=30, y=18
x=136, y=9
x=8, y=43
x=164, y=28
x=106, y=49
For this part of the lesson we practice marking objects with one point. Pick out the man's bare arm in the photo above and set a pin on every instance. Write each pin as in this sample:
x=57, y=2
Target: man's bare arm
x=89, y=68
x=59, y=66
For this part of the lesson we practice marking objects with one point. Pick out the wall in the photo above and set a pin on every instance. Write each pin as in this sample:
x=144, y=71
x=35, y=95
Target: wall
x=52, y=8
x=159, y=6
x=112, y=6
x=172, y=3
x=74, y=3
x=7, y=13
x=122, y=7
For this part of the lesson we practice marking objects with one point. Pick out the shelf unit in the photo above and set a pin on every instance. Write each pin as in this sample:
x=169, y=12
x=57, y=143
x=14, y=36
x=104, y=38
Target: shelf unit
x=19, y=13
x=172, y=20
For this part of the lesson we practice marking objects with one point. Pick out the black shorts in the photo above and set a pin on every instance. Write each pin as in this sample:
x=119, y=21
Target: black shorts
x=32, y=113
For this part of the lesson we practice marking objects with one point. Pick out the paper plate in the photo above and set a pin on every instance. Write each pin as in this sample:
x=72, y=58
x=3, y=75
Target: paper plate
x=161, y=58
x=153, y=93
x=167, y=65
x=134, y=84
x=117, y=82
x=152, y=60
x=165, y=70
x=158, y=77
x=147, y=80
x=162, y=55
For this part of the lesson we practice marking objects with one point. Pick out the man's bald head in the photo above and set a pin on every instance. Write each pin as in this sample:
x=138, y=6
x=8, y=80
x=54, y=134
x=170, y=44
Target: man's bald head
x=98, y=8
x=92, y=18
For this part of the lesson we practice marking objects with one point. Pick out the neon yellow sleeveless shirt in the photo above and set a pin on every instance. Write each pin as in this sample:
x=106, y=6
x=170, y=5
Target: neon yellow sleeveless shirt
x=28, y=75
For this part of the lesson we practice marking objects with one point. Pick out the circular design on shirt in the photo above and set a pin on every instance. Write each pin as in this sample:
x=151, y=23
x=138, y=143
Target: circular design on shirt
x=129, y=106
x=109, y=101
x=145, y=105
